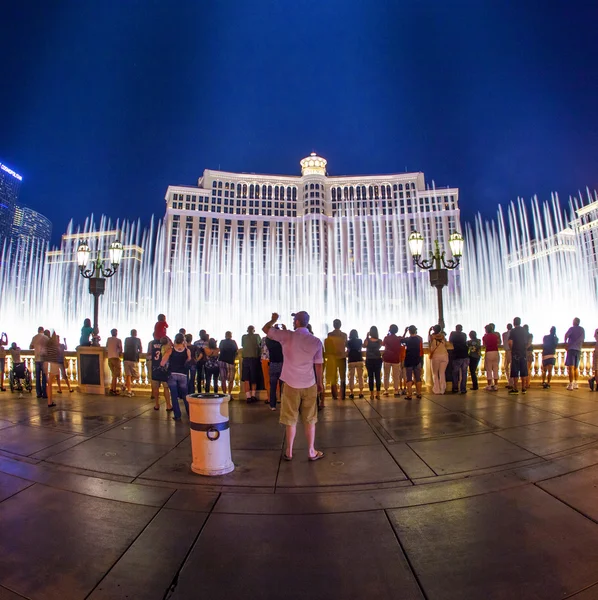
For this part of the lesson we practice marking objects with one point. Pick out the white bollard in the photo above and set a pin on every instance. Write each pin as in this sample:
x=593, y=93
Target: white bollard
x=210, y=434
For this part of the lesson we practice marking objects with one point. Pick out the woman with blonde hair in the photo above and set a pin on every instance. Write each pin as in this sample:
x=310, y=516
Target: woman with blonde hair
x=438, y=358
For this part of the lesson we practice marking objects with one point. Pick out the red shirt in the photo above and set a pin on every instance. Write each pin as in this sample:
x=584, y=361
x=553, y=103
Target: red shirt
x=490, y=341
x=160, y=329
x=392, y=349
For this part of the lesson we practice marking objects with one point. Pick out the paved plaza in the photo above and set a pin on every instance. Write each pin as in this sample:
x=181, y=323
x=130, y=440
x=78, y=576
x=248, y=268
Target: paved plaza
x=475, y=496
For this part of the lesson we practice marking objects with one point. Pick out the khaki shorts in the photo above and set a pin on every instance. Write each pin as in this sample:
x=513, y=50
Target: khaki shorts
x=295, y=401
x=131, y=369
x=114, y=364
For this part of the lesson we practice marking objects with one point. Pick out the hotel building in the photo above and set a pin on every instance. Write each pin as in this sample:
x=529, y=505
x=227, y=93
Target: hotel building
x=314, y=223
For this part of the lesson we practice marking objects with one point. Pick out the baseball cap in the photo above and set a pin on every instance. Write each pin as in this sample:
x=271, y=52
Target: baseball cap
x=302, y=315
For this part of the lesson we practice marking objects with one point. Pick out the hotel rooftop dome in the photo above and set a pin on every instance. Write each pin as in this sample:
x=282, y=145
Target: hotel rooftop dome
x=313, y=165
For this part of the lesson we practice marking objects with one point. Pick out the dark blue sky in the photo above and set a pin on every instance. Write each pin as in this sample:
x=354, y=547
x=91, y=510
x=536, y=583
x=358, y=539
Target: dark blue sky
x=103, y=104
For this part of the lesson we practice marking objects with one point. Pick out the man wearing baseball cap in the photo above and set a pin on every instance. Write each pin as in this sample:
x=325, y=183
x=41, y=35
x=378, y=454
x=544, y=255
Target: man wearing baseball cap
x=302, y=352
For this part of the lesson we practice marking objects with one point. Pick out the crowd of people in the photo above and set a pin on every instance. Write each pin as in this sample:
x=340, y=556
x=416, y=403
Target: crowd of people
x=180, y=365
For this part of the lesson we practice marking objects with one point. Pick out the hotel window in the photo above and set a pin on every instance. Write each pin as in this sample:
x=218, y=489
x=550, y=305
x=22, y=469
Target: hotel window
x=214, y=184
x=220, y=184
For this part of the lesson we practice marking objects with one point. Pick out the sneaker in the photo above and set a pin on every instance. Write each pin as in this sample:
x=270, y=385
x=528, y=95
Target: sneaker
x=524, y=391
x=361, y=396
x=544, y=385
x=570, y=387
x=575, y=385
x=547, y=386
x=464, y=392
x=351, y=396
x=385, y=393
x=495, y=388
x=407, y=397
x=489, y=388
x=592, y=383
x=129, y=394
x=513, y=391
x=418, y=396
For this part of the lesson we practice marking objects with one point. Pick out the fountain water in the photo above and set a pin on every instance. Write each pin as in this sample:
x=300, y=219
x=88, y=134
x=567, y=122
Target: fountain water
x=526, y=262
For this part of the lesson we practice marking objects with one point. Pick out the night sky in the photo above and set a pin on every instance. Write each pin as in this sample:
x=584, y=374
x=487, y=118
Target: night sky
x=104, y=104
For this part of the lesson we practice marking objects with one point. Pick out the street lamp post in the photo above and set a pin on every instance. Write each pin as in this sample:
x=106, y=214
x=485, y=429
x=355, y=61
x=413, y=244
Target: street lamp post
x=97, y=273
x=437, y=264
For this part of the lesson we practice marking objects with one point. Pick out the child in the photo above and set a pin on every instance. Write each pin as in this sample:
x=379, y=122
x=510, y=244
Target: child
x=160, y=327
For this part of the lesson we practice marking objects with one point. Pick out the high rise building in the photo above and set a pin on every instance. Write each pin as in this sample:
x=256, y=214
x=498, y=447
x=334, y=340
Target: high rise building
x=10, y=184
x=28, y=226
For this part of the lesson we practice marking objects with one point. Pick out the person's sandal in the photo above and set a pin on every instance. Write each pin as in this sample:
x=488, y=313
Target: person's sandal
x=318, y=456
x=289, y=458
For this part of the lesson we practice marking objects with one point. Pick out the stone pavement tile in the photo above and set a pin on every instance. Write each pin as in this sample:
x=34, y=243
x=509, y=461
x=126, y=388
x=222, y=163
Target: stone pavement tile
x=60, y=447
x=471, y=400
x=107, y=405
x=330, y=434
x=590, y=593
x=591, y=418
x=340, y=466
x=551, y=436
x=145, y=495
x=57, y=544
x=405, y=408
x=253, y=413
x=350, y=413
x=467, y=453
x=166, y=433
x=297, y=557
x=193, y=499
x=9, y=485
x=252, y=468
x=577, y=489
x=512, y=414
x=519, y=543
x=27, y=440
x=409, y=461
x=256, y=436
x=73, y=421
x=8, y=595
x=147, y=568
x=158, y=415
x=5, y=424
x=105, y=455
x=433, y=425
x=566, y=406
x=23, y=411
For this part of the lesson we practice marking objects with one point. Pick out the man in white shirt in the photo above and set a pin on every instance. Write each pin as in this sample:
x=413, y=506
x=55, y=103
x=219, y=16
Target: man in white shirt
x=38, y=345
x=114, y=348
x=302, y=376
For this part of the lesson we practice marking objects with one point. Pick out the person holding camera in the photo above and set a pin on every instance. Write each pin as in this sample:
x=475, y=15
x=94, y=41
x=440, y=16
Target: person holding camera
x=302, y=376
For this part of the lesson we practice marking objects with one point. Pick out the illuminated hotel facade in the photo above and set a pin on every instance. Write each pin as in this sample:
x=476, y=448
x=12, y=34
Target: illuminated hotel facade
x=320, y=224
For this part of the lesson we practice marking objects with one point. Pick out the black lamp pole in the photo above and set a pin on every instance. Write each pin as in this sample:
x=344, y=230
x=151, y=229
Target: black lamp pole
x=437, y=264
x=97, y=283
